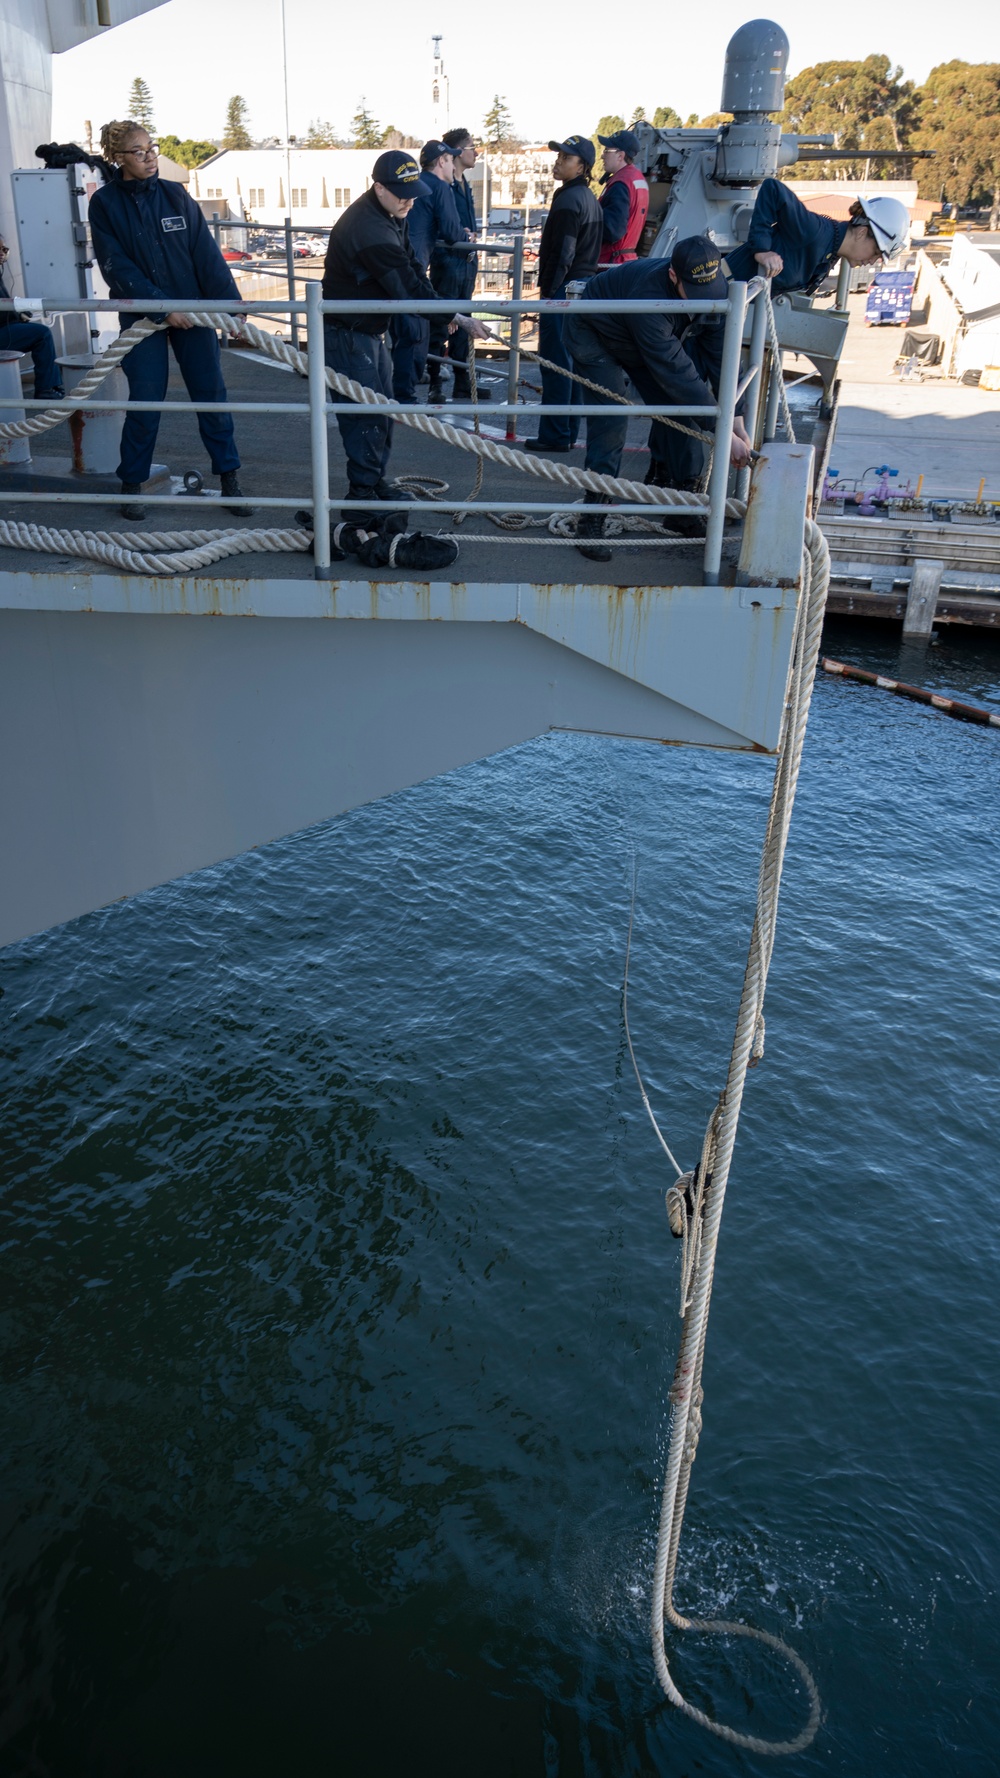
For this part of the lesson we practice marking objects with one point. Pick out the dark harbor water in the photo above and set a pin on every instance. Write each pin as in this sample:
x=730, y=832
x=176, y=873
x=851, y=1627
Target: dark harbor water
x=339, y=1304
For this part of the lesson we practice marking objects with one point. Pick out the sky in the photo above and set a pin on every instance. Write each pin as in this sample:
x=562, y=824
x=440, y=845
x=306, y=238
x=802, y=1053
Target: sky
x=559, y=68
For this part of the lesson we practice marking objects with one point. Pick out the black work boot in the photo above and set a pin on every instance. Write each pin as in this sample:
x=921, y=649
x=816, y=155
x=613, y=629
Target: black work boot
x=592, y=525
x=231, y=490
x=436, y=390
x=684, y=523
x=374, y=520
x=134, y=509
x=463, y=389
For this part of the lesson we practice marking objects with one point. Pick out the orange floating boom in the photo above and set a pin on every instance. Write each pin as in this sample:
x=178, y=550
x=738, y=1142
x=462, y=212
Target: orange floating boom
x=950, y=706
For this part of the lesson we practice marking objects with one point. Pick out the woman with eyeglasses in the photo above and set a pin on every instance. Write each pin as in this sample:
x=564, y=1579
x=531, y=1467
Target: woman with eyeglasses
x=151, y=240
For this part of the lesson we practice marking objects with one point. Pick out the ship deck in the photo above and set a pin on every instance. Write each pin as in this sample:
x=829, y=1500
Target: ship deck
x=275, y=458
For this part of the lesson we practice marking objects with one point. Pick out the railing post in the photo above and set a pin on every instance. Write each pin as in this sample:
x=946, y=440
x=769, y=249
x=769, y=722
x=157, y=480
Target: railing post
x=843, y=285
x=758, y=340
x=290, y=269
x=514, y=358
x=318, y=440
x=729, y=377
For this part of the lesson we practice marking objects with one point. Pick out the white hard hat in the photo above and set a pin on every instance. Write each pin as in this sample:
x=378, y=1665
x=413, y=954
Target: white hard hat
x=889, y=222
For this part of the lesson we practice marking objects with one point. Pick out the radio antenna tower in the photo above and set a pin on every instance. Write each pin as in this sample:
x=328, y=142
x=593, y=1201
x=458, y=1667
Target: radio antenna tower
x=440, y=95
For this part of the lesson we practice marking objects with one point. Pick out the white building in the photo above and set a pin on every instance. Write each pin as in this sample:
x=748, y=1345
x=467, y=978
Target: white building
x=311, y=185
x=320, y=182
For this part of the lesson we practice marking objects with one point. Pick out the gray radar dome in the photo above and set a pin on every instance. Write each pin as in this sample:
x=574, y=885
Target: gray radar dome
x=756, y=63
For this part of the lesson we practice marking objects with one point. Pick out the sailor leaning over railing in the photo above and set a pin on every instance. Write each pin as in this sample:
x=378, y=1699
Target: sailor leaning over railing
x=669, y=357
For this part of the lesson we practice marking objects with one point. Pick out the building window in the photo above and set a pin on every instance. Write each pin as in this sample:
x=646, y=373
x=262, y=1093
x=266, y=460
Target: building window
x=257, y=200
x=213, y=191
x=341, y=198
x=300, y=197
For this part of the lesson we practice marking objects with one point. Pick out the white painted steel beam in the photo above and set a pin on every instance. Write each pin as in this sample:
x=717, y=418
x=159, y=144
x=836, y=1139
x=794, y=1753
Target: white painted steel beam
x=149, y=728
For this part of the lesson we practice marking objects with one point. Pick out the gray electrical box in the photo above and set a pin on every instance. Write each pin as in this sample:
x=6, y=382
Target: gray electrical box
x=57, y=258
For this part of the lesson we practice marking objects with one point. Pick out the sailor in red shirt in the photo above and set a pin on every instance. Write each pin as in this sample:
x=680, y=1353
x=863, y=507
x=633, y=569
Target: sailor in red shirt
x=624, y=200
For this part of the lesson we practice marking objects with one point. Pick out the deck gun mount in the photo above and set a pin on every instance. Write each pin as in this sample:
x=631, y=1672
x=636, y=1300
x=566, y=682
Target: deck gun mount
x=704, y=181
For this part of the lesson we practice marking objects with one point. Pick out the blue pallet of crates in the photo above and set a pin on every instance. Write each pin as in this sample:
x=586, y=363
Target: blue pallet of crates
x=890, y=299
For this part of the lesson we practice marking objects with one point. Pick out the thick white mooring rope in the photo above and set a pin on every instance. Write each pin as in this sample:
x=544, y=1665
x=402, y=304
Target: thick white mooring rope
x=696, y=1200
x=702, y=1213
x=54, y=416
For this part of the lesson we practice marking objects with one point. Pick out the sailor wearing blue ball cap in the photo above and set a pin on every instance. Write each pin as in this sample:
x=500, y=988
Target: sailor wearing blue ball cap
x=369, y=257
x=568, y=252
x=671, y=358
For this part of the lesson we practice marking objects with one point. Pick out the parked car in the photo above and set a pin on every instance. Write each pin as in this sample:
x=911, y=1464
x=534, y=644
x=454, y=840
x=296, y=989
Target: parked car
x=235, y=253
x=890, y=299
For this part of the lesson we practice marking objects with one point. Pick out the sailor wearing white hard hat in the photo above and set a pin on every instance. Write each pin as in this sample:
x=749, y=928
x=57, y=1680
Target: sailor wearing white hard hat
x=795, y=248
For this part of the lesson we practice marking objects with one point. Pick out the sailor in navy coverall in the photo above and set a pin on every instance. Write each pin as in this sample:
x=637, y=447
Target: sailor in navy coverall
x=796, y=249
x=30, y=336
x=432, y=219
x=568, y=252
x=150, y=239
x=454, y=273
x=668, y=357
x=809, y=245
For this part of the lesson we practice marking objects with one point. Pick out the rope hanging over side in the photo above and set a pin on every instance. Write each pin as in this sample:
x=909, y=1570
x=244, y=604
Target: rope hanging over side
x=703, y=1206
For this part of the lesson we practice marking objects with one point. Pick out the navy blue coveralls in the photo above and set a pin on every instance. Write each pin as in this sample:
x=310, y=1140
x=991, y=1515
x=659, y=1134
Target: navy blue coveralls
x=454, y=274
x=569, y=249
x=31, y=336
x=807, y=243
x=675, y=359
x=151, y=239
x=432, y=219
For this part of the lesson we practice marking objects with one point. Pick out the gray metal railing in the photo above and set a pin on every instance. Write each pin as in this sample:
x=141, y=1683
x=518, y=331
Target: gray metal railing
x=320, y=408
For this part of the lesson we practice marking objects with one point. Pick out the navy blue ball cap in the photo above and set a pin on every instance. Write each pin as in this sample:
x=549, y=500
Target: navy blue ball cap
x=626, y=140
x=581, y=145
x=432, y=151
x=398, y=172
x=699, y=267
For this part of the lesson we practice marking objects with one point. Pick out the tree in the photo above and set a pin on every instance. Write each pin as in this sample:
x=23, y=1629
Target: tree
x=666, y=118
x=236, y=133
x=187, y=153
x=638, y=116
x=498, y=126
x=691, y=122
x=960, y=120
x=606, y=126
x=321, y=135
x=140, y=103
x=365, y=131
x=864, y=105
